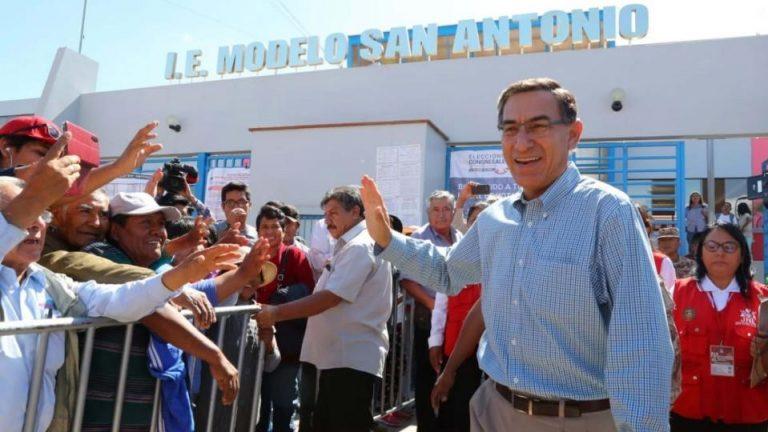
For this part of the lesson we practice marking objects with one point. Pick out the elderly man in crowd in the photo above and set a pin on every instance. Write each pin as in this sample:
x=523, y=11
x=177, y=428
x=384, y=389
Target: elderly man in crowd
x=85, y=221
x=440, y=209
x=346, y=340
x=576, y=333
x=31, y=292
x=137, y=235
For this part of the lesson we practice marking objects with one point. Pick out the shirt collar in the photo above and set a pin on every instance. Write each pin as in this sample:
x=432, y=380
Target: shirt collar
x=436, y=235
x=709, y=286
x=556, y=191
x=353, y=232
x=34, y=273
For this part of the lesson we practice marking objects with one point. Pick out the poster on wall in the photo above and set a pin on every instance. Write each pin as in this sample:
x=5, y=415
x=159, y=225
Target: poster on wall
x=398, y=174
x=484, y=166
x=215, y=181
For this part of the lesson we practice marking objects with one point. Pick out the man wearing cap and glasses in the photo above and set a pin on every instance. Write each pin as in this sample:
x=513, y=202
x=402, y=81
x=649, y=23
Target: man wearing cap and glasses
x=25, y=140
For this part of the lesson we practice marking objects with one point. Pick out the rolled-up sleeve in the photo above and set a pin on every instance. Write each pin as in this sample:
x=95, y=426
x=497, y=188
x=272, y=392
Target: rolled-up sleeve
x=127, y=302
x=445, y=269
x=10, y=236
x=638, y=367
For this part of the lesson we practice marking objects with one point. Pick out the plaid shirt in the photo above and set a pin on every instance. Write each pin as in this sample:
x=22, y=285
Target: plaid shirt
x=570, y=300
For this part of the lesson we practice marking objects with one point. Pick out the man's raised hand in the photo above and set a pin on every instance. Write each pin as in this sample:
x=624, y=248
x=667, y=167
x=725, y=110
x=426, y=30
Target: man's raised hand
x=139, y=149
x=376, y=217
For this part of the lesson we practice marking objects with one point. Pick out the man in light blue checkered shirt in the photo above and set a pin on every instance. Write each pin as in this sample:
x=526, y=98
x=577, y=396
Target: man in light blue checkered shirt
x=576, y=336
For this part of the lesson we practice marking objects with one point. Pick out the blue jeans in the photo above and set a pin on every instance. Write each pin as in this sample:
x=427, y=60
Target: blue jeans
x=279, y=391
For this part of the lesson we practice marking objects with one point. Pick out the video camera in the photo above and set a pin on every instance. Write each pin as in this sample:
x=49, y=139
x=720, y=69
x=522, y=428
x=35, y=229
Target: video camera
x=176, y=174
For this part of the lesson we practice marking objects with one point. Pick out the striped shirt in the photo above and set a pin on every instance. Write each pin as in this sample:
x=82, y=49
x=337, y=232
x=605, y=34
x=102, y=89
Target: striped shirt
x=570, y=300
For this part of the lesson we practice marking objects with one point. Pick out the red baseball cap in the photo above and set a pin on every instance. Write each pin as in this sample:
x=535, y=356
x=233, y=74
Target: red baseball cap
x=32, y=127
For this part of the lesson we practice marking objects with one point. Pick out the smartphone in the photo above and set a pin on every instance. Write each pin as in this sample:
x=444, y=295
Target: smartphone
x=85, y=145
x=481, y=189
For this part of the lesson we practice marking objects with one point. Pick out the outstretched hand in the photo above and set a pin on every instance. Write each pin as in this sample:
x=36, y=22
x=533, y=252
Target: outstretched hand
x=250, y=268
x=140, y=148
x=376, y=217
x=200, y=264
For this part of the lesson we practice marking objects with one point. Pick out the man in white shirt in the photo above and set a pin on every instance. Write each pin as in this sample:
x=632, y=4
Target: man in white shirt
x=346, y=340
x=29, y=292
x=321, y=246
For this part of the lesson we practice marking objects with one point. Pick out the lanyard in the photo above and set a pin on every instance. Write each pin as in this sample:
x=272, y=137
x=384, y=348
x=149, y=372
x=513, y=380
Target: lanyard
x=719, y=314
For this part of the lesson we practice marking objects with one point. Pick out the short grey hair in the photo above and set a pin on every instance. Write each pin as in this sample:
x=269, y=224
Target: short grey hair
x=7, y=184
x=100, y=192
x=439, y=195
x=348, y=196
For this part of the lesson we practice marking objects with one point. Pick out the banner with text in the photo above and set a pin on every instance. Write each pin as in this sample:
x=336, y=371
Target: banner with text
x=484, y=166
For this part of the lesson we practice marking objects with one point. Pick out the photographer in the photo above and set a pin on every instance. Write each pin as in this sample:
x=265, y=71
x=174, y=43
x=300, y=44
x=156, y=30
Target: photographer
x=170, y=186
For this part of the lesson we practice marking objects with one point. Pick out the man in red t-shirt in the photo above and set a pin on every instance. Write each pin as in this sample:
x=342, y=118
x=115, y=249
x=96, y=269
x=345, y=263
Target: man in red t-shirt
x=294, y=280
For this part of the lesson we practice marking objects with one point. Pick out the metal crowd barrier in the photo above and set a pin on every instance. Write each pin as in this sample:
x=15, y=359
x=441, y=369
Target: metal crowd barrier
x=45, y=327
x=396, y=390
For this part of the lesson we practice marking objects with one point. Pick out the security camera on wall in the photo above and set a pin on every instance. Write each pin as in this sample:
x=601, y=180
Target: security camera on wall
x=173, y=123
x=617, y=98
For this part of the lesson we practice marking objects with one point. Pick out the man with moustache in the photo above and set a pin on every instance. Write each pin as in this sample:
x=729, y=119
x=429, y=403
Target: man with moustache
x=346, y=340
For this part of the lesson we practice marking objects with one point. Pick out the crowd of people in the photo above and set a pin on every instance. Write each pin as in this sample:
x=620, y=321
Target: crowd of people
x=558, y=308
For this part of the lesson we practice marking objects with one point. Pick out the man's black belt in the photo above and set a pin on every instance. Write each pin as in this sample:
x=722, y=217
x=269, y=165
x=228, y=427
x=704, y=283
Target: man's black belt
x=551, y=408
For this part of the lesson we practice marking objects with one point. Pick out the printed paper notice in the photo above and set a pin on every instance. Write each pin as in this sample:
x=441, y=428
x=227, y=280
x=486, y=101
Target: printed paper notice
x=398, y=174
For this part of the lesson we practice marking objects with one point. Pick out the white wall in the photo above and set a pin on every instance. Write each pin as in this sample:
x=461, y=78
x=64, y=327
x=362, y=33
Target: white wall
x=689, y=89
x=299, y=166
x=434, y=163
x=71, y=75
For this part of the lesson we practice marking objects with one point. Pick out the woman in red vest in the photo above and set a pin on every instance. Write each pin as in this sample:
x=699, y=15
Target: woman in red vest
x=716, y=314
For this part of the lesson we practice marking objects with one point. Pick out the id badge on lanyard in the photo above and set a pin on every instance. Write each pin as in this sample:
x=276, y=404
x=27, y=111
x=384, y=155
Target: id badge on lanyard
x=721, y=360
x=721, y=357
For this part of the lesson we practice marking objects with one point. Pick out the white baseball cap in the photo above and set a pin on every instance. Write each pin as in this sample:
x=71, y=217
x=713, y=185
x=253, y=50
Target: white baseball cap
x=140, y=204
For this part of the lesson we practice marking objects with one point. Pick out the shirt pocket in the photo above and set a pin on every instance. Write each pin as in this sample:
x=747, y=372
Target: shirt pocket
x=743, y=336
x=694, y=351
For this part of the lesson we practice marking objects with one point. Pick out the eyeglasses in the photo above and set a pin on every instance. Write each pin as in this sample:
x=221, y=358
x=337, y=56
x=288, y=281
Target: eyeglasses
x=238, y=203
x=51, y=130
x=727, y=247
x=46, y=216
x=533, y=128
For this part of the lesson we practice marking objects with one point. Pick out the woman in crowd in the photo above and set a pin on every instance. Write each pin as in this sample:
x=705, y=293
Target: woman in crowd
x=695, y=216
x=716, y=314
x=745, y=221
x=725, y=216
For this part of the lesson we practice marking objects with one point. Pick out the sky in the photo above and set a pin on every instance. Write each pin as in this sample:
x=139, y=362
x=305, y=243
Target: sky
x=130, y=39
